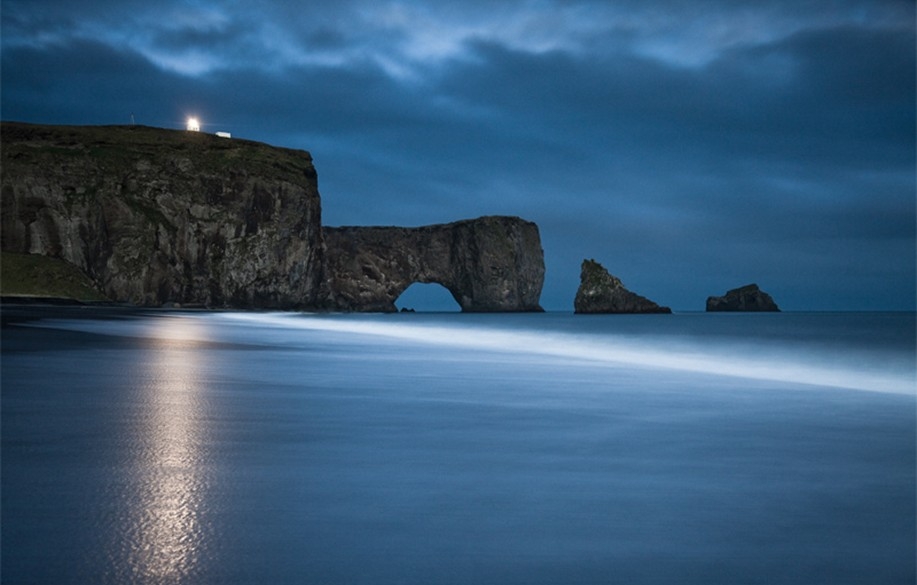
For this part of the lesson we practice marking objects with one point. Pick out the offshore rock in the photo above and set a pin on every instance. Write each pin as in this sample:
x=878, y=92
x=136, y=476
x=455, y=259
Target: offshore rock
x=158, y=216
x=745, y=298
x=489, y=264
x=601, y=292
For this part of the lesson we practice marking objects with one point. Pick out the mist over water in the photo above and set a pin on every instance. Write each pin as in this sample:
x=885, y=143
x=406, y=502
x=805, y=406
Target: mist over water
x=785, y=356
x=206, y=447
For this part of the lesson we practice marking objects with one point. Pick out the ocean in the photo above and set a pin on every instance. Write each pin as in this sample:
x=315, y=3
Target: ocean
x=233, y=448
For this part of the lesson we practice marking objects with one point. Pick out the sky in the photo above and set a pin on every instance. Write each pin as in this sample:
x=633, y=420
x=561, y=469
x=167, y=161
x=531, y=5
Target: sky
x=690, y=147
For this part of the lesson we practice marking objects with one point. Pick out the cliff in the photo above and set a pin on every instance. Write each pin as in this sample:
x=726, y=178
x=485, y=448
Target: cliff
x=157, y=216
x=601, y=292
x=489, y=264
x=745, y=298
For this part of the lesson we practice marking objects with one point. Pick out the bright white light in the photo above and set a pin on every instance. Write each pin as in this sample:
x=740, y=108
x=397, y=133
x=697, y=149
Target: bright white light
x=193, y=124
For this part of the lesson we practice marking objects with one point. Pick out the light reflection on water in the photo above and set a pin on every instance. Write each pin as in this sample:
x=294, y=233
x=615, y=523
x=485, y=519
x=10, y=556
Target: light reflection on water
x=261, y=448
x=164, y=536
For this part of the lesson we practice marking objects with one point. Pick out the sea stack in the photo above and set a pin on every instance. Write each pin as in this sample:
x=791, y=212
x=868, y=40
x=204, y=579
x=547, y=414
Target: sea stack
x=746, y=298
x=601, y=292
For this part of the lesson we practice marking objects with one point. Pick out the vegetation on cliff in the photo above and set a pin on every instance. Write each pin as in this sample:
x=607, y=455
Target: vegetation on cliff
x=32, y=275
x=156, y=216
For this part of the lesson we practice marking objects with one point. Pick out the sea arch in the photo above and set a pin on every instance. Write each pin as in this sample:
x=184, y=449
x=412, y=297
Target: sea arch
x=489, y=264
x=427, y=297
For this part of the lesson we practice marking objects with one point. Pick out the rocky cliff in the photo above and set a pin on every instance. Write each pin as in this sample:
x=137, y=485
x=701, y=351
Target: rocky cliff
x=745, y=298
x=488, y=264
x=155, y=216
x=601, y=292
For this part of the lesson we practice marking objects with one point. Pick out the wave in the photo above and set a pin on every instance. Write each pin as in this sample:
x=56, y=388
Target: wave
x=769, y=361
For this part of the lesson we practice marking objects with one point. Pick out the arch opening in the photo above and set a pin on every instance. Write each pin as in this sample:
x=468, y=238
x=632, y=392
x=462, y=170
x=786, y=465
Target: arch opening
x=427, y=298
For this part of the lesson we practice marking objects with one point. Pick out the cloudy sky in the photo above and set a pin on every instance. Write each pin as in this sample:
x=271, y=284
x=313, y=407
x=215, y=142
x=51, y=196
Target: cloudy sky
x=688, y=146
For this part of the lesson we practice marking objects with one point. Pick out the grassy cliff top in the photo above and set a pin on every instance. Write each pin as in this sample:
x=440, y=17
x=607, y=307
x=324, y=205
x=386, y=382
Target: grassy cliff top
x=118, y=146
x=31, y=275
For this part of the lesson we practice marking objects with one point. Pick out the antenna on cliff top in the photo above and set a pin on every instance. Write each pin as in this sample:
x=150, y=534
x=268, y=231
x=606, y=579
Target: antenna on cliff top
x=132, y=118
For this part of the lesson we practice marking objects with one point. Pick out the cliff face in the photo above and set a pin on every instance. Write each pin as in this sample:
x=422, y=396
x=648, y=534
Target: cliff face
x=488, y=264
x=601, y=292
x=156, y=216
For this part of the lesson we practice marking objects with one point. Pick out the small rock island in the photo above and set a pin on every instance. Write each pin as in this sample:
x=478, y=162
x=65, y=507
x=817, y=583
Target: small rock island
x=601, y=292
x=745, y=298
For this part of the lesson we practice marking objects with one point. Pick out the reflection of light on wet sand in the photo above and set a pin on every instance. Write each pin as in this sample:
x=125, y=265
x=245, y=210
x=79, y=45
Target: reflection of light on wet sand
x=166, y=536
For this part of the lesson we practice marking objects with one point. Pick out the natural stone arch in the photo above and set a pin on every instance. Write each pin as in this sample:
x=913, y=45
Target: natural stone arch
x=427, y=296
x=489, y=264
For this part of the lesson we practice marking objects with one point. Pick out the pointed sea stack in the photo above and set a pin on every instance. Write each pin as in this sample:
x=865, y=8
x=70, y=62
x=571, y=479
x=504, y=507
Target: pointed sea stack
x=601, y=292
x=746, y=298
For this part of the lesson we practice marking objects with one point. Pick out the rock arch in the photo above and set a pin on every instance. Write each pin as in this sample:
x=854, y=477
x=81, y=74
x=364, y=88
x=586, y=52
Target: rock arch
x=489, y=264
x=426, y=297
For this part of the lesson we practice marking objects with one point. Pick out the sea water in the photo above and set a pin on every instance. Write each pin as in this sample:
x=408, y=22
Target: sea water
x=231, y=448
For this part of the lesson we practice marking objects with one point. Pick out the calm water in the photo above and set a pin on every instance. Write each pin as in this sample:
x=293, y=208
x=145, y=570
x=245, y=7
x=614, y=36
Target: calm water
x=230, y=448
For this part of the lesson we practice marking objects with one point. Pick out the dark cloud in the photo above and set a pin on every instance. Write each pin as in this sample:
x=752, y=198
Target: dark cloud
x=217, y=37
x=689, y=149
x=84, y=82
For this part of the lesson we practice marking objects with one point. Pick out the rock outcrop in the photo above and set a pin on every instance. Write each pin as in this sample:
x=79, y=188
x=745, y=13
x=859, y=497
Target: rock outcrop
x=489, y=264
x=157, y=216
x=162, y=217
x=601, y=292
x=745, y=298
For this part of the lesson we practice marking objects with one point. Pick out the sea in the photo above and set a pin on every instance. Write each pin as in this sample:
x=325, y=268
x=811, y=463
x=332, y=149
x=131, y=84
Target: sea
x=208, y=447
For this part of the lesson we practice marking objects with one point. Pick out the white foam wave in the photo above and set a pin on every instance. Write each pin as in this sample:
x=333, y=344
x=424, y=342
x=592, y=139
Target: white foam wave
x=758, y=361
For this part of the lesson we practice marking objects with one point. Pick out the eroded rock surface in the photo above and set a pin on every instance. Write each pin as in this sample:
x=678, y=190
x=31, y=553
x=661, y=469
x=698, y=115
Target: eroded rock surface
x=601, y=292
x=489, y=264
x=745, y=298
x=159, y=216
